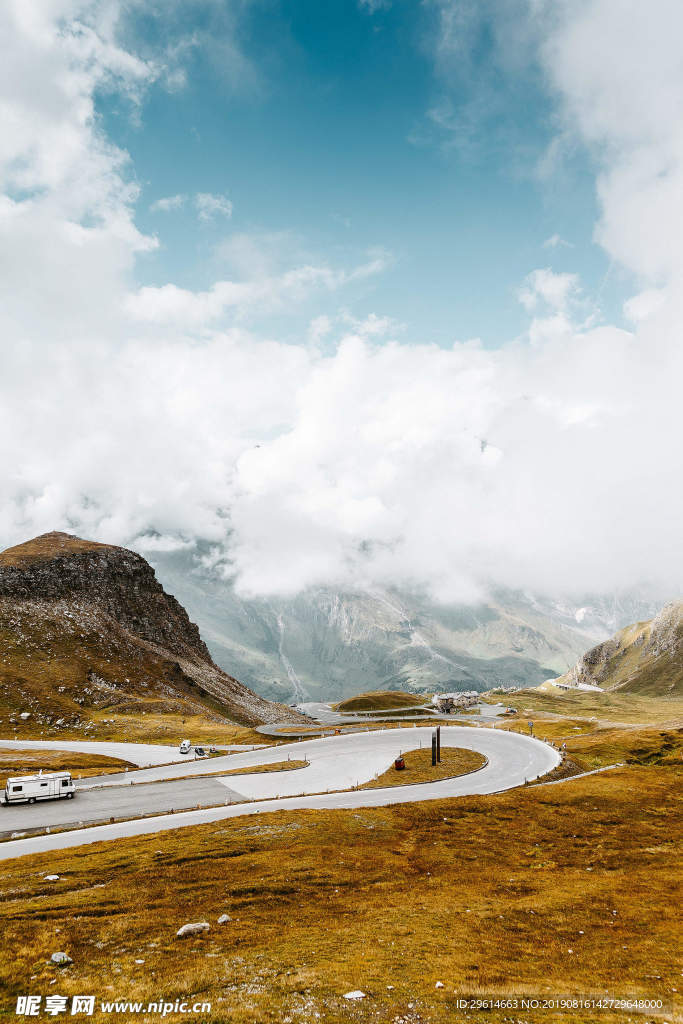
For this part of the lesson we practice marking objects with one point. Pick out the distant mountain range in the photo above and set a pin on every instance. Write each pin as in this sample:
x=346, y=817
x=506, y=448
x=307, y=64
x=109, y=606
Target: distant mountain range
x=329, y=644
x=644, y=658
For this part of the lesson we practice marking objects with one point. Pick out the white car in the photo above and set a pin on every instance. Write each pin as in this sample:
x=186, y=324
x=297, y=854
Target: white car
x=185, y=747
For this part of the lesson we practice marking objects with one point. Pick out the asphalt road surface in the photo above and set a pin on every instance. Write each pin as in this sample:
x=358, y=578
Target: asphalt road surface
x=123, y=802
x=137, y=753
x=335, y=763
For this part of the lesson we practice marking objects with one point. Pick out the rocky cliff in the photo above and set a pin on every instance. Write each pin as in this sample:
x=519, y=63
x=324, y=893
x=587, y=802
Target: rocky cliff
x=646, y=658
x=87, y=627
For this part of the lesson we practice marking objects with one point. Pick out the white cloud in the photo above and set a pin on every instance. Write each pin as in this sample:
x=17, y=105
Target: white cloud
x=168, y=203
x=145, y=415
x=556, y=241
x=209, y=206
x=544, y=286
x=170, y=304
x=645, y=304
x=372, y=6
x=617, y=68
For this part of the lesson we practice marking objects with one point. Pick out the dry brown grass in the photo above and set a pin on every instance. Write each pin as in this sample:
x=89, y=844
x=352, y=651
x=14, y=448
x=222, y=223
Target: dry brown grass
x=486, y=894
x=276, y=766
x=380, y=700
x=27, y=762
x=47, y=547
x=627, y=708
x=592, y=745
x=454, y=761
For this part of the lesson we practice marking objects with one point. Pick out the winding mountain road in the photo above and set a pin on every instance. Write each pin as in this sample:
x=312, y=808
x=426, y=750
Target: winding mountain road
x=334, y=763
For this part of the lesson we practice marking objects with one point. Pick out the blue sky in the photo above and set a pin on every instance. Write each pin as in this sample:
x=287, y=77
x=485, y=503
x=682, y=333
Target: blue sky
x=245, y=245
x=316, y=121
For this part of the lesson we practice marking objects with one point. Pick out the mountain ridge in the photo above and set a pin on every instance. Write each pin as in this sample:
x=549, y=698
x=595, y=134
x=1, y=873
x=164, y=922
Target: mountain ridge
x=645, y=658
x=85, y=625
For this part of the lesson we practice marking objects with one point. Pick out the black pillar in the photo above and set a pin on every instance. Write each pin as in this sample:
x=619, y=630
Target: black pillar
x=433, y=749
x=438, y=743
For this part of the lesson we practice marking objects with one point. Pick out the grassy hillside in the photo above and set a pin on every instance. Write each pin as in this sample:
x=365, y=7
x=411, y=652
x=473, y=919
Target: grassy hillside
x=644, y=658
x=380, y=700
x=90, y=644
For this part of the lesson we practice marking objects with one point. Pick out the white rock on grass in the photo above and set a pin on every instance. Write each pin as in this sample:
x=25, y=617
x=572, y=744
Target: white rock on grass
x=224, y=918
x=439, y=984
x=61, y=959
x=51, y=878
x=193, y=929
x=356, y=994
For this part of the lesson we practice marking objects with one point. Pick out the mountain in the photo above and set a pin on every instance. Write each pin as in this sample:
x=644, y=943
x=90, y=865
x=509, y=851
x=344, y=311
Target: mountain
x=328, y=644
x=644, y=658
x=86, y=628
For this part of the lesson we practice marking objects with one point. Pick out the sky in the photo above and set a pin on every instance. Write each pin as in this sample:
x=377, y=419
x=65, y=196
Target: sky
x=363, y=292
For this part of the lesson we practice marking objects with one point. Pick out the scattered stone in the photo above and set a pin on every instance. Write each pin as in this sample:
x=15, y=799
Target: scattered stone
x=356, y=994
x=224, y=918
x=139, y=961
x=192, y=929
x=439, y=984
x=61, y=959
x=51, y=878
x=25, y=715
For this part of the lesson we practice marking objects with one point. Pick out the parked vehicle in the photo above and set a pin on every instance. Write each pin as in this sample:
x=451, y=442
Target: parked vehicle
x=48, y=786
x=200, y=752
x=185, y=747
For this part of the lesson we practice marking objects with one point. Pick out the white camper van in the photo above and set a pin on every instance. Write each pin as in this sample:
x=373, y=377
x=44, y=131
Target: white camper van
x=48, y=786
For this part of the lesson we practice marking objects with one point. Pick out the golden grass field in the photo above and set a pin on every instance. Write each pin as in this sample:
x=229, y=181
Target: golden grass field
x=566, y=889
x=454, y=761
x=624, y=708
x=27, y=762
x=485, y=894
x=380, y=700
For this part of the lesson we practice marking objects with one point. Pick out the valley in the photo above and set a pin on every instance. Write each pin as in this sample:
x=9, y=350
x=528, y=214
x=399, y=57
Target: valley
x=326, y=644
x=522, y=866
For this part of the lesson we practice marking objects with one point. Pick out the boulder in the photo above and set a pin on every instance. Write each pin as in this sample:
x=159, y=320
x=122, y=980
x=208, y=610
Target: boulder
x=356, y=994
x=224, y=918
x=192, y=929
x=61, y=959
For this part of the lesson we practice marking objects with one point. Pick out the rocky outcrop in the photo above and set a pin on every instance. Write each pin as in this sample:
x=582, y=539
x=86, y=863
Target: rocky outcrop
x=646, y=657
x=120, y=582
x=74, y=609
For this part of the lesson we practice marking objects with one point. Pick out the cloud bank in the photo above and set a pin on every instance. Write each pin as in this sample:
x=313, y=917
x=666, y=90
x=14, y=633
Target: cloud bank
x=132, y=413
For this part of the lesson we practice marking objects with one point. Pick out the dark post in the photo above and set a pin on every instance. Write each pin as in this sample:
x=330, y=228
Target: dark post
x=433, y=749
x=438, y=743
